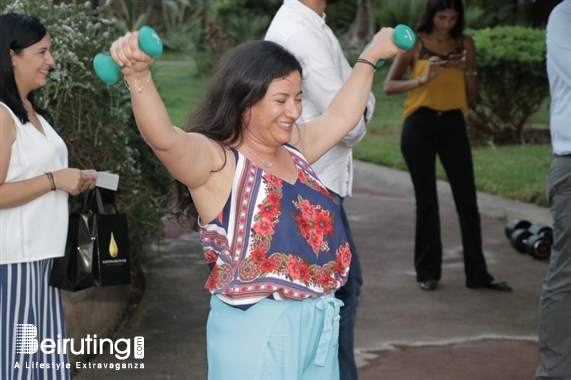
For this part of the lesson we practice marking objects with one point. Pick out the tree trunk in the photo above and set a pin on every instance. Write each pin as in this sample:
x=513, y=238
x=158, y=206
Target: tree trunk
x=362, y=30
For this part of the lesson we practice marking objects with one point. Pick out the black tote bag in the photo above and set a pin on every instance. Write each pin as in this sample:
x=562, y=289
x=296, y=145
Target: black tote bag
x=97, y=247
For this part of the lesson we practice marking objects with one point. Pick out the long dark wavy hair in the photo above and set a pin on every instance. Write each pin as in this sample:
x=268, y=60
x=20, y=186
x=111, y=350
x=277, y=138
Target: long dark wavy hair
x=18, y=32
x=426, y=21
x=240, y=81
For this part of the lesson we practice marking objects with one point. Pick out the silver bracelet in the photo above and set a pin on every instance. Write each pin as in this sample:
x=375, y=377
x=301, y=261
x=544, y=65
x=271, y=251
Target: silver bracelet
x=139, y=83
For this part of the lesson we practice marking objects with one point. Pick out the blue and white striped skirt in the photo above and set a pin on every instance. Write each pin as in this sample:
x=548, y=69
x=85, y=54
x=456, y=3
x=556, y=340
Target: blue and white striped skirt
x=30, y=312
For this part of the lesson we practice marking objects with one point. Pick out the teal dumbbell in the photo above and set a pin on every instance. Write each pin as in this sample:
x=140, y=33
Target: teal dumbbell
x=106, y=68
x=404, y=38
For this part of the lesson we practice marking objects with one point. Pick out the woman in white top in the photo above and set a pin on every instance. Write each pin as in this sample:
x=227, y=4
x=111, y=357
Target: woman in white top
x=34, y=186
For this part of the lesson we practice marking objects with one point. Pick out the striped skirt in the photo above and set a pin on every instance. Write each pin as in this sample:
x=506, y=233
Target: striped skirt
x=30, y=312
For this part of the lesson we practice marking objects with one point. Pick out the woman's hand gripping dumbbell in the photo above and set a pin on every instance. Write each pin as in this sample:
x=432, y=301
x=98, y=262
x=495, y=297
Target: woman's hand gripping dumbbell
x=149, y=42
x=403, y=37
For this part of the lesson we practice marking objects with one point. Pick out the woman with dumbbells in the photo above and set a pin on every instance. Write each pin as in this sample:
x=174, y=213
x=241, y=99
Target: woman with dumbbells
x=442, y=67
x=271, y=233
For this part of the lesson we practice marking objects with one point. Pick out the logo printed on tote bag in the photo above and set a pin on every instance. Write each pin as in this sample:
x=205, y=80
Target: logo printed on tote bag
x=113, y=249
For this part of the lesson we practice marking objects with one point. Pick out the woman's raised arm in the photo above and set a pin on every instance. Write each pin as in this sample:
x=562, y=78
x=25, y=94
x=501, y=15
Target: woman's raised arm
x=347, y=107
x=189, y=157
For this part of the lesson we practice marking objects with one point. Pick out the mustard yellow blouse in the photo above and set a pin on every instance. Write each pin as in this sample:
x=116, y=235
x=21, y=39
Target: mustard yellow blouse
x=446, y=92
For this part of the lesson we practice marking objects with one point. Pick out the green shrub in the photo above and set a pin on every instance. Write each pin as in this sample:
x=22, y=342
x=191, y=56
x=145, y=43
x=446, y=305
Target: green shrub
x=513, y=81
x=94, y=119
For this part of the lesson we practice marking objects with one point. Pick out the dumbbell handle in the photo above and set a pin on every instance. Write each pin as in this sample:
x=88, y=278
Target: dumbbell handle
x=541, y=238
x=106, y=68
x=404, y=38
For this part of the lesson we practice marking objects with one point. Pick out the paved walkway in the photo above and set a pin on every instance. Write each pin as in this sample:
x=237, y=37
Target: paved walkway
x=402, y=332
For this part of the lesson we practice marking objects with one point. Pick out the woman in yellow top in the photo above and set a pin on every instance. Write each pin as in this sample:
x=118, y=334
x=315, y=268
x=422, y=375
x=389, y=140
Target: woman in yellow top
x=442, y=68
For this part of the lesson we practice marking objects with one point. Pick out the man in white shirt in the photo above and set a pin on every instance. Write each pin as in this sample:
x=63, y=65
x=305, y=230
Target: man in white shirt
x=555, y=306
x=299, y=25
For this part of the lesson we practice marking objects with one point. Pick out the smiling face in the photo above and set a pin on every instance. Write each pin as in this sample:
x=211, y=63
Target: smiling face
x=445, y=20
x=31, y=66
x=270, y=121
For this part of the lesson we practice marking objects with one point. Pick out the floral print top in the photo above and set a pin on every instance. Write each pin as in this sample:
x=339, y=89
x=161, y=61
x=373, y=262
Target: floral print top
x=275, y=239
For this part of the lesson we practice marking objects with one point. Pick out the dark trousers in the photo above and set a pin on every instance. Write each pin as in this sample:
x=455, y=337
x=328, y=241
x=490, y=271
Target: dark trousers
x=427, y=133
x=555, y=308
x=349, y=294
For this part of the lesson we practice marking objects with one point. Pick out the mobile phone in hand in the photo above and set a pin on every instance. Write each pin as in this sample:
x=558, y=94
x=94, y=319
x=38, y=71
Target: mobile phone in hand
x=453, y=56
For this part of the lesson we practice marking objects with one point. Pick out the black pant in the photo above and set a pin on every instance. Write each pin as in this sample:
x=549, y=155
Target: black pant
x=349, y=294
x=427, y=133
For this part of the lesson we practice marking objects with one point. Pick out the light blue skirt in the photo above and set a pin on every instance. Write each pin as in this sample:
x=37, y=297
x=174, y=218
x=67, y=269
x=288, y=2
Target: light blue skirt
x=286, y=340
x=30, y=311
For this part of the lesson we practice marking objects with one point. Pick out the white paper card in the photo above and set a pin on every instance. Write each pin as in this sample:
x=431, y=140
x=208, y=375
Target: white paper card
x=107, y=180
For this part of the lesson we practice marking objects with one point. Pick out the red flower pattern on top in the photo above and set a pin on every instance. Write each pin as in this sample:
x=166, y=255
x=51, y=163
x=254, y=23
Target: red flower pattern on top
x=263, y=227
x=210, y=255
x=315, y=224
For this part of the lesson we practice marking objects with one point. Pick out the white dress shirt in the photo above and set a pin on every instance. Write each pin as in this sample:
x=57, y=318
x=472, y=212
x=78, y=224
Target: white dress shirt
x=559, y=72
x=325, y=69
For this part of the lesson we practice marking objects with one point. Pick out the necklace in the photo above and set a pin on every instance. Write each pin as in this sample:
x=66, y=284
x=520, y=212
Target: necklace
x=267, y=164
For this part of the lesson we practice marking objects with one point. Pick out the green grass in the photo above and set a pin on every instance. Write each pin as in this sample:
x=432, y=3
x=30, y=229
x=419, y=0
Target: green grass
x=514, y=172
x=180, y=88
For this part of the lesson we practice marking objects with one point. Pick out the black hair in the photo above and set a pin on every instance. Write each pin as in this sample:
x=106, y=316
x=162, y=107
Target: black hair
x=18, y=32
x=240, y=81
x=426, y=20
